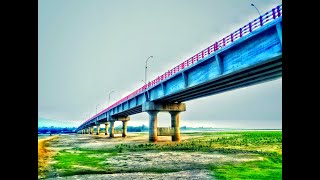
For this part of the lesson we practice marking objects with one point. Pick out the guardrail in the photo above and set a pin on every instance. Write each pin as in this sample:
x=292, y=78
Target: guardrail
x=248, y=28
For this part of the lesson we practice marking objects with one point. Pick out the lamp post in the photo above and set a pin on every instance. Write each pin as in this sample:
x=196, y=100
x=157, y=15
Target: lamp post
x=145, y=72
x=97, y=108
x=256, y=8
x=109, y=97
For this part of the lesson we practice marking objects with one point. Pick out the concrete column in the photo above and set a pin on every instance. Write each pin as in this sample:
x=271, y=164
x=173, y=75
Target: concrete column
x=153, y=125
x=107, y=128
x=124, y=128
x=175, y=123
x=111, y=128
x=98, y=129
x=91, y=130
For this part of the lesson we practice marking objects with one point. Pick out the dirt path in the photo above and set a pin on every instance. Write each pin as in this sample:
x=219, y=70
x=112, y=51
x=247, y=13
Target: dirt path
x=189, y=174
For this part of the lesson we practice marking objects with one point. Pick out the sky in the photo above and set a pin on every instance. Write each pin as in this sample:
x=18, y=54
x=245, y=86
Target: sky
x=88, y=48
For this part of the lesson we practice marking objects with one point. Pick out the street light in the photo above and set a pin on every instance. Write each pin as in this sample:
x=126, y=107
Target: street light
x=143, y=81
x=97, y=107
x=256, y=8
x=145, y=72
x=109, y=97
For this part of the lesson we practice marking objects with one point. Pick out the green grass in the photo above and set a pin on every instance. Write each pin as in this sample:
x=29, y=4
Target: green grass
x=91, y=161
x=225, y=142
x=266, y=169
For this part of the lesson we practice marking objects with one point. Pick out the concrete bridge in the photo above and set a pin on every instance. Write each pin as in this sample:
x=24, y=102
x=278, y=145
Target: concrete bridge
x=248, y=56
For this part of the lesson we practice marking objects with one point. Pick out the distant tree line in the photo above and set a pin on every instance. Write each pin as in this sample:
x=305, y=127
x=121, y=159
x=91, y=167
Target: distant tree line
x=143, y=128
x=55, y=130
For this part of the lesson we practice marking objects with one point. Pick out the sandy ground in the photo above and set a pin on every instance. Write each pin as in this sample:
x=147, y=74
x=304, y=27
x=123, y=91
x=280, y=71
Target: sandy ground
x=190, y=165
x=189, y=174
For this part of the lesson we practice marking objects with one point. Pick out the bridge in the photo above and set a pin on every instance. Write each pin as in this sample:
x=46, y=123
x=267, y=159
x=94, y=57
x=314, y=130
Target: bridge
x=250, y=55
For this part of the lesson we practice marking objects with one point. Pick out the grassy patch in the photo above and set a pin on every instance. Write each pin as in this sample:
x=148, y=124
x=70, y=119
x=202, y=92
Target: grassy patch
x=225, y=142
x=82, y=161
x=266, y=169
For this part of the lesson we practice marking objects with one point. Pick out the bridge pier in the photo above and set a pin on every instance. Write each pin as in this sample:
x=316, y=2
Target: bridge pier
x=174, y=109
x=175, y=124
x=124, y=128
x=107, y=128
x=111, y=128
x=98, y=129
x=153, y=124
x=91, y=130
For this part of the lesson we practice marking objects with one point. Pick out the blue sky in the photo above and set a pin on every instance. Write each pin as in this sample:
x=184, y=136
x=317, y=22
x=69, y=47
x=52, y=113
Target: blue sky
x=89, y=48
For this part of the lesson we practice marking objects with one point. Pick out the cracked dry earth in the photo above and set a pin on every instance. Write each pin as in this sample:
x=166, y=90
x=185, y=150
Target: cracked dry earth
x=189, y=165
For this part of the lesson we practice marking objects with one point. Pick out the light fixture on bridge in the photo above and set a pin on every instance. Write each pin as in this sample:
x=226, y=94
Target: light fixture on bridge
x=109, y=98
x=145, y=72
x=256, y=9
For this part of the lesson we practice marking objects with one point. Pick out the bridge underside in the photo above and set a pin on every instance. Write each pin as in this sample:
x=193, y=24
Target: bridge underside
x=265, y=71
x=259, y=73
x=131, y=111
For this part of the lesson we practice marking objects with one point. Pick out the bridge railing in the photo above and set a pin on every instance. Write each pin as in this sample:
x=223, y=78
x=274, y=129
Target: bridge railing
x=248, y=28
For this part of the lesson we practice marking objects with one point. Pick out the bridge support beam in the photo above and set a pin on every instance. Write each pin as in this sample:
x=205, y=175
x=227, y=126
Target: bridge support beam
x=124, y=128
x=91, y=130
x=153, y=125
x=175, y=124
x=174, y=109
x=98, y=129
x=111, y=128
x=107, y=128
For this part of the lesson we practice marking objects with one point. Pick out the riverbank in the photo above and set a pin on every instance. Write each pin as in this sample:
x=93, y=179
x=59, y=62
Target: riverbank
x=44, y=154
x=200, y=155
